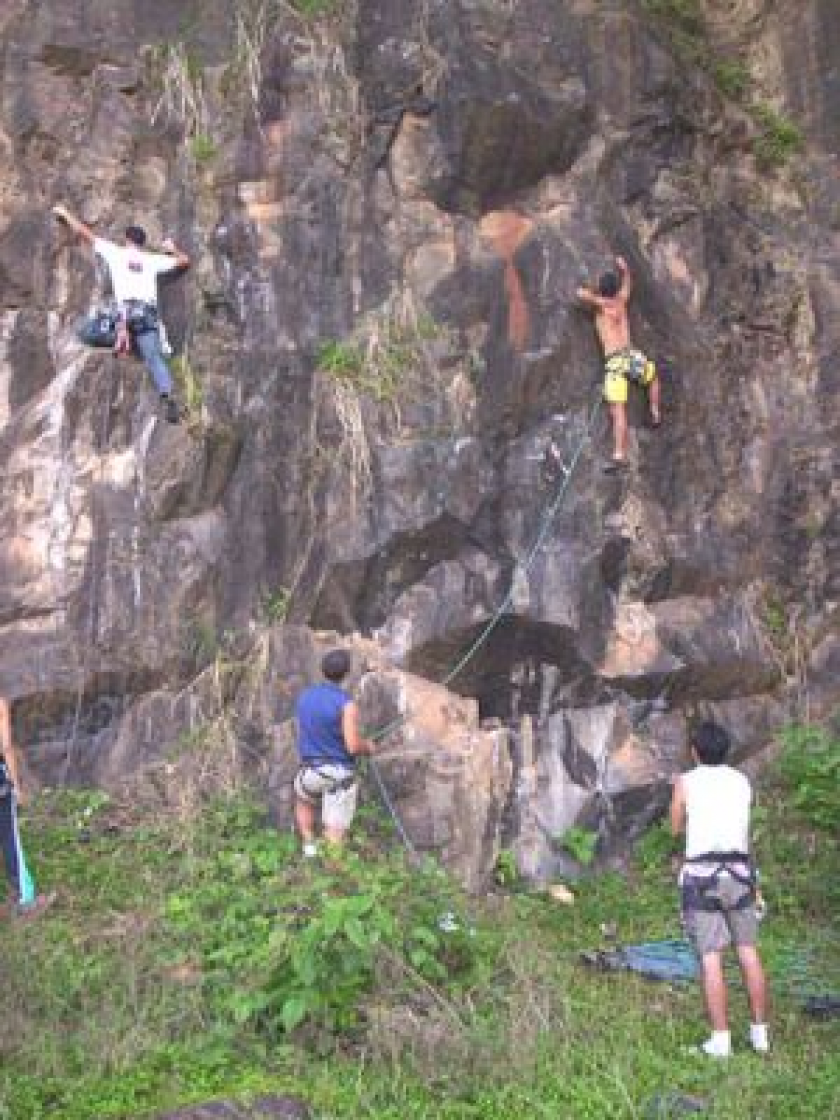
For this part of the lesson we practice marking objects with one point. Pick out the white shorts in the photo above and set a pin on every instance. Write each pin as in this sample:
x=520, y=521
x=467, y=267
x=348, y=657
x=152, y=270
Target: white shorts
x=335, y=786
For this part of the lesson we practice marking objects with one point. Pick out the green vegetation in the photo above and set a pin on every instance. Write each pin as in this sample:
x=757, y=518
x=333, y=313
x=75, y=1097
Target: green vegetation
x=193, y=954
x=342, y=360
x=317, y=9
x=686, y=15
x=380, y=359
x=346, y=362
x=203, y=148
x=387, y=361
x=774, y=616
x=275, y=605
x=506, y=873
x=580, y=843
x=682, y=22
x=732, y=78
x=778, y=140
x=811, y=766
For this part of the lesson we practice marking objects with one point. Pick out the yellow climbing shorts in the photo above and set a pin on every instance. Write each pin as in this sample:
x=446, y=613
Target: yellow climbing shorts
x=620, y=369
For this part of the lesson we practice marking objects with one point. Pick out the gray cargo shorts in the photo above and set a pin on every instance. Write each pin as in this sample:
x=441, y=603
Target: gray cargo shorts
x=335, y=786
x=733, y=922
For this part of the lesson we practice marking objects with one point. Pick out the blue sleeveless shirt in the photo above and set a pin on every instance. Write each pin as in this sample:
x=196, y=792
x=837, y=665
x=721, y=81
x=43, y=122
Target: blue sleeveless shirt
x=320, y=738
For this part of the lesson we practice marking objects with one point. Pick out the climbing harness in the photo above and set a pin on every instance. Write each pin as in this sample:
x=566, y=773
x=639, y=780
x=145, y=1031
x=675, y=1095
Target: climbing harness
x=522, y=569
x=337, y=783
x=100, y=329
x=698, y=889
x=140, y=317
x=632, y=364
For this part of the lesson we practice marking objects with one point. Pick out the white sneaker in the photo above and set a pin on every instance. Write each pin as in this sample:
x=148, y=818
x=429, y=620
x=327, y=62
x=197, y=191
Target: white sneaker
x=718, y=1046
x=759, y=1039
x=310, y=850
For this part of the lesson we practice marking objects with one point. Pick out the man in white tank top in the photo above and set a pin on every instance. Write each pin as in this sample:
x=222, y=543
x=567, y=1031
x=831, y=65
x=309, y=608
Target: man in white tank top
x=711, y=804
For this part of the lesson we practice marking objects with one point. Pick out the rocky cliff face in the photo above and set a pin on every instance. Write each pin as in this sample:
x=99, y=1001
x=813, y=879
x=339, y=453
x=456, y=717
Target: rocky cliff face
x=390, y=206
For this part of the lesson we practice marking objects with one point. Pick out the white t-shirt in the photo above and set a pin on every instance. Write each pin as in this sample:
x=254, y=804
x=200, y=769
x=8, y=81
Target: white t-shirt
x=717, y=801
x=134, y=272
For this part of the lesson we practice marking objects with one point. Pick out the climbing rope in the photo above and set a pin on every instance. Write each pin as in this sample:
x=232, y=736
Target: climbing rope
x=504, y=606
x=392, y=809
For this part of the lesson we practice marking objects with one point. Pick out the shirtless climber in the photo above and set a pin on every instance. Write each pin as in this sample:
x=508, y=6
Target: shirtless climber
x=622, y=363
x=134, y=273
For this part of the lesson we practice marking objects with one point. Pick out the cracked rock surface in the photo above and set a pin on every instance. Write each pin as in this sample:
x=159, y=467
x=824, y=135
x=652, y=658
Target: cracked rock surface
x=386, y=377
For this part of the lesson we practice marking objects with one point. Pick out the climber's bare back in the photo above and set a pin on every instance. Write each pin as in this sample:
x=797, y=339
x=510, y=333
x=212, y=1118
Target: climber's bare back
x=611, y=324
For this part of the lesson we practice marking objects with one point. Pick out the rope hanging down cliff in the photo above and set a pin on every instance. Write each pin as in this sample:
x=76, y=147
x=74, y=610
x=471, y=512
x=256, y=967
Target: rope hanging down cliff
x=522, y=568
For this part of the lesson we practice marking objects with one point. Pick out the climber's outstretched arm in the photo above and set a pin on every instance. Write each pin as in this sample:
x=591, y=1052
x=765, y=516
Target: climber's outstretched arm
x=76, y=225
x=181, y=260
x=590, y=298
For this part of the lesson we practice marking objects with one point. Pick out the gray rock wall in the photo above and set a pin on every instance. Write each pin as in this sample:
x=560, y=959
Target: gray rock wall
x=389, y=212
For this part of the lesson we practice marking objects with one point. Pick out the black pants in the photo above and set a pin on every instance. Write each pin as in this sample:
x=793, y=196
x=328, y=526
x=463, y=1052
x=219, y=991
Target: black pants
x=10, y=840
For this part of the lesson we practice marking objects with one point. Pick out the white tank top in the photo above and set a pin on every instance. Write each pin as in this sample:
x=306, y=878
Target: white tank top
x=717, y=810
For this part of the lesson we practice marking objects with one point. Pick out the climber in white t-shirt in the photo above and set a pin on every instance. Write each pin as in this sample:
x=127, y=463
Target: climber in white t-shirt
x=134, y=273
x=711, y=805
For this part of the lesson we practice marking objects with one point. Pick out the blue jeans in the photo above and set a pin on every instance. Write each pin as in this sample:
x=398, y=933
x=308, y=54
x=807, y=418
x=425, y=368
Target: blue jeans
x=148, y=346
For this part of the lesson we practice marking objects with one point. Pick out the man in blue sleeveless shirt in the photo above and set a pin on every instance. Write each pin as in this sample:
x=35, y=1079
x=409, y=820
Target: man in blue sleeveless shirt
x=328, y=741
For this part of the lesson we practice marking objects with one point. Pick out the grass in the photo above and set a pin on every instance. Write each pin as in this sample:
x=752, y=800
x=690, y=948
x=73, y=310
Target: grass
x=163, y=974
x=316, y=9
x=732, y=78
x=777, y=139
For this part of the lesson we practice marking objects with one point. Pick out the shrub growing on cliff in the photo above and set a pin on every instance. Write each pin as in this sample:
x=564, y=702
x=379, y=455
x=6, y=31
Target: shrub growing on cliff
x=811, y=766
x=778, y=139
x=732, y=78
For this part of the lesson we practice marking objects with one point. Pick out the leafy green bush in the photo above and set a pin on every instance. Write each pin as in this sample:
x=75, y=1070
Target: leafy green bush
x=506, y=873
x=656, y=846
x=282, y=944
x=580, y=843
x=810, y=764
